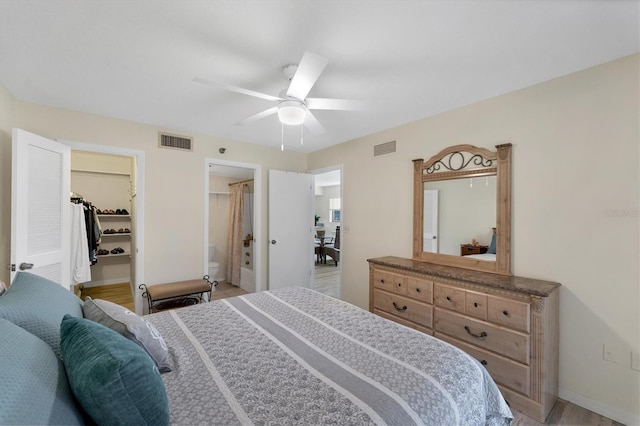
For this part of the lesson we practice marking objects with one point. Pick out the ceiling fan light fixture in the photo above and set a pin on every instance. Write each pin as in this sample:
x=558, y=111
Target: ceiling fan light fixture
x=292, y=112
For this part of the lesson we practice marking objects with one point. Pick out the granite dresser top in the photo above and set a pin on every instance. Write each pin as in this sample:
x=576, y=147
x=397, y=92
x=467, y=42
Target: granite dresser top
x=529, y=286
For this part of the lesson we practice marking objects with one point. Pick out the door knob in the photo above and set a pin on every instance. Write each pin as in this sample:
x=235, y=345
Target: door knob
x=24, y=266
x=273, y=241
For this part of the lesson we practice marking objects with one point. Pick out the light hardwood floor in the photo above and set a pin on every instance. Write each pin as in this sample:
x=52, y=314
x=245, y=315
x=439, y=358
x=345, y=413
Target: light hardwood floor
x=116, y=293
x=563, y=413
x=326, y=279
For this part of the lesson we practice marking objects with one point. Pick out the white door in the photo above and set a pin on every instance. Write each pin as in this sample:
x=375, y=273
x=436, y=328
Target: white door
x=40, y=207
x=290, y=229
x=430, y=226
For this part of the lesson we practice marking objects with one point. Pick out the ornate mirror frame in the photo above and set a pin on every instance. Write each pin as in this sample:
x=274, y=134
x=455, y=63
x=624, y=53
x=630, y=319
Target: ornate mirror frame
x=458, y=162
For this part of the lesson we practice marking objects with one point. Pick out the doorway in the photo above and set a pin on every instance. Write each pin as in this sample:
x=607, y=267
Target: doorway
x=132, y=242
x=327, y=277
x=222, y=178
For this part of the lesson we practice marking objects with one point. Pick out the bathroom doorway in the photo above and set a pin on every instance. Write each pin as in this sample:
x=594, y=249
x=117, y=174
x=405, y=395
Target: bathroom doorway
x=327, y=277
x=223, y=182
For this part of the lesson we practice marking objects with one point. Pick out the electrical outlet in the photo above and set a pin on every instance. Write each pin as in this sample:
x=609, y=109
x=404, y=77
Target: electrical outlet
x=635, y=361
x=609, y=353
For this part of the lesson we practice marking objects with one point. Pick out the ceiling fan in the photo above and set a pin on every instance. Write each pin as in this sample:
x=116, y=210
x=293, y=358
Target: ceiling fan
x=293, y=107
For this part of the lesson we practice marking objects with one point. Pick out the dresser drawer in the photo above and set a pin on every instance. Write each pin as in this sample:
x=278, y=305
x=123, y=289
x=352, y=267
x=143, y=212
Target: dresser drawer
x=423, y=329
x=403, y=307
x=511, y=344
x=420, y=289
x=508, y=312
x=390, y=282
x=448, y=297
x=504, y=371
x=475, y=304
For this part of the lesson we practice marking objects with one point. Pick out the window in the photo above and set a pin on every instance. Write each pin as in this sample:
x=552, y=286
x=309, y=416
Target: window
x=334, y=209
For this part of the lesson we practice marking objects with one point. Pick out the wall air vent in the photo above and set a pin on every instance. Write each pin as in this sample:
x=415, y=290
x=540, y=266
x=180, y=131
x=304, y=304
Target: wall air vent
x=384, y=148
x=167, y=140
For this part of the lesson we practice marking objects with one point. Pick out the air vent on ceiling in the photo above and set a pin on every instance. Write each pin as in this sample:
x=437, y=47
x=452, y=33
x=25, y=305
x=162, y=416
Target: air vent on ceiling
x=384, y=148
x=167, y=140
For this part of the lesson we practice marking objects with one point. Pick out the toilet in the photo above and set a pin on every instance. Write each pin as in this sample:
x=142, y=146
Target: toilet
x=213, y=266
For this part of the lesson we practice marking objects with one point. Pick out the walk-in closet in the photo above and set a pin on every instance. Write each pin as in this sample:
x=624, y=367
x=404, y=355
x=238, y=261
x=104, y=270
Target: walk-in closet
x=107, y=182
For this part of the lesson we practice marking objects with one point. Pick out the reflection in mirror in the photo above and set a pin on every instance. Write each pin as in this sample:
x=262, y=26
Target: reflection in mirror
x=462, y=208
x=458, y=212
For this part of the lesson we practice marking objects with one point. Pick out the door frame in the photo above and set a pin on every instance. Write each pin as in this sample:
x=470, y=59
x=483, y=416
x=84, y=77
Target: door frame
x=342, y=214
x=138, y=155
x=257, y=215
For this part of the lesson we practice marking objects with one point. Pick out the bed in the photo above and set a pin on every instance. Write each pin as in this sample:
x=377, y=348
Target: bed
x=490, y=257
x=287, y=356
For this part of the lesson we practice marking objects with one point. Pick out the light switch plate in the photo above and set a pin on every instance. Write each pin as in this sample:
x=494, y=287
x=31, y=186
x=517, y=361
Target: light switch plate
x=635, y=361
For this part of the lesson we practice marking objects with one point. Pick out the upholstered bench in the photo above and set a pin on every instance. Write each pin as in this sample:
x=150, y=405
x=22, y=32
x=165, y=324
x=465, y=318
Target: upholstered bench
x=157, y=295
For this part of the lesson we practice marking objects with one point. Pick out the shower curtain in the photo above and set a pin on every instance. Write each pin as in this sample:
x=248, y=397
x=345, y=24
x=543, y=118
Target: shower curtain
x=234, y=242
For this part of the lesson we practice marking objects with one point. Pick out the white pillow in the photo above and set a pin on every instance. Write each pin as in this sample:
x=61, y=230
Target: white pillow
x=131, y=326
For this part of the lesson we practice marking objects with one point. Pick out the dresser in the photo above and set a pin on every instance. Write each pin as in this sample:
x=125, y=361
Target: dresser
x=508, y=323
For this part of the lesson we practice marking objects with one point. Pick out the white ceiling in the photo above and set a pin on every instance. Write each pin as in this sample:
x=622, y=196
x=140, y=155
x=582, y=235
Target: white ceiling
x=136, y=60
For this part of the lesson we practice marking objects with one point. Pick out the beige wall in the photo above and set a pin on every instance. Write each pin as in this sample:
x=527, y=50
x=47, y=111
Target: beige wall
x=575, y=211
x=174, y=182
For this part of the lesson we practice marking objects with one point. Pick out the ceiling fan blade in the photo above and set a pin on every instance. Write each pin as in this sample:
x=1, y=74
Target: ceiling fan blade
x=312, y=123
x=309, y=69
x=237, y=89
x=258, y=116
x=335, y=104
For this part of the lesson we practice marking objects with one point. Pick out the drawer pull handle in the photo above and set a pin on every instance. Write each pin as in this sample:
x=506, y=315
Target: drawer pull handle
x=417, y=290
x=404, y=308
x=506, y=313
x=399, y=284
x=382, y=280
x=484, y=362
x=475, y=304
x=477, y=336
x=449, y=298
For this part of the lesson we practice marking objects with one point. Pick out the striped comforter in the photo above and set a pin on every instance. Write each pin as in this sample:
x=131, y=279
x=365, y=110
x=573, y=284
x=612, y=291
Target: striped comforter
x=296, y=357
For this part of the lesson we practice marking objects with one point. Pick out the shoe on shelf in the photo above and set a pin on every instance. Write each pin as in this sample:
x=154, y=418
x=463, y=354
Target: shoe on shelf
x=127, y=231
x=125, y=212
x=118, y=211
x=121, y=231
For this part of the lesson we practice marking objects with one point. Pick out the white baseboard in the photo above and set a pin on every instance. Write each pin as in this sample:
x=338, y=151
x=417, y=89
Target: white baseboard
x=599, y=407
x=105, y=282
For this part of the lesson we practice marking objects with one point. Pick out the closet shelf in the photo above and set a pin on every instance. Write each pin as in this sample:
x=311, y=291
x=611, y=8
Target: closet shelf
x=102, y=256
x=117, y=234
x=123, y=216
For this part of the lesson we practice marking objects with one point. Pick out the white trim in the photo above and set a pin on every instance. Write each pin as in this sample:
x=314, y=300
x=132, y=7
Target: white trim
x=257, y=215
x=599, y=407
x=139, y=218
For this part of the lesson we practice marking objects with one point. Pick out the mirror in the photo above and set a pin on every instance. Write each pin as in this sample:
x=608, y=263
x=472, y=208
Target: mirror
x=462, y=208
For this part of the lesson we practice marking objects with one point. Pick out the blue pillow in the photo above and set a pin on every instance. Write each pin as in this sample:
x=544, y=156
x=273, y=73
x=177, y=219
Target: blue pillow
x=492, y=246
x=114, y=379
x=38, y=305
x=33, y=382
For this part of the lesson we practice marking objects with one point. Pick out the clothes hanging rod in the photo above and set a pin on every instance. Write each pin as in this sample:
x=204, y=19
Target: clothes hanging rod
x=242, y=181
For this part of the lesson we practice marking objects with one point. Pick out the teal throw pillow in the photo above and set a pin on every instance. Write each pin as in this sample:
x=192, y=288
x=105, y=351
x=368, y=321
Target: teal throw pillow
x=38, y=305
x=492, y=246
x=114, y=379
x=33, y=382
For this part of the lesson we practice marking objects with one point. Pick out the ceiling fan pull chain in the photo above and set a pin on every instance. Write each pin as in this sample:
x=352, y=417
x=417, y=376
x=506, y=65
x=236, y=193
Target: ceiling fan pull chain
x=282, y=136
